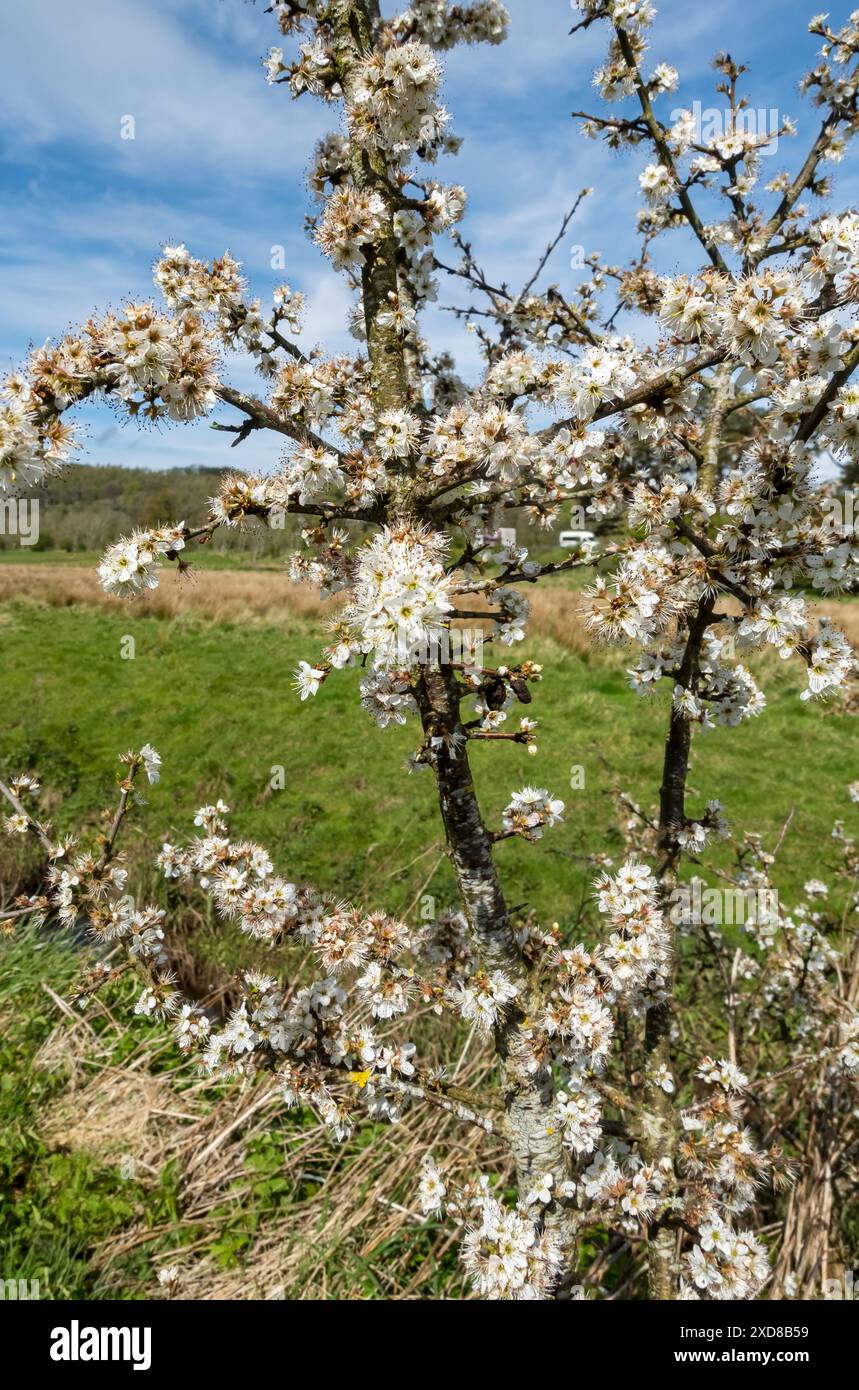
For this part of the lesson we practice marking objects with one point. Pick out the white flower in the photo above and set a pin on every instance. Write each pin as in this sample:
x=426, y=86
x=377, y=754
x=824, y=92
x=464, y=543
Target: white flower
x=541, y=1192
x=656, y=183
x=530, y=810
x=815, y=888
x=480, y=998
x=309, y=678
x=722, y=1073
x=432, y=1190
x=273, y=64
x=151, y=762
x=146, y=1003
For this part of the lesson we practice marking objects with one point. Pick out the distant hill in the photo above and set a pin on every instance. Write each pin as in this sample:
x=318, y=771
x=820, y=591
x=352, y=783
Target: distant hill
x=90, y=505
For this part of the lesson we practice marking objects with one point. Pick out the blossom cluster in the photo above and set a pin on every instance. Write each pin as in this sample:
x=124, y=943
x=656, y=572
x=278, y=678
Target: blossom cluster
x=130, y=566
x=401, y=597
x=506, y=1250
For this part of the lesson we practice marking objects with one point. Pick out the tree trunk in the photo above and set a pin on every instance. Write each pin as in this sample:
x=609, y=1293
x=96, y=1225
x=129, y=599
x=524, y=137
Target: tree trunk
x=535, y=1142
x=659, y=1121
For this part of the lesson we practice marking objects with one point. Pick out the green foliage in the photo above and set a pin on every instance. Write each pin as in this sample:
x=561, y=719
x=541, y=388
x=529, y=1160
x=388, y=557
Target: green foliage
x=349, y=818
x=54, y=1206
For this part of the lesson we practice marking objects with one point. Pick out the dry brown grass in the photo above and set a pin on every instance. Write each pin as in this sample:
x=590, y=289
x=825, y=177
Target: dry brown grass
x=223, y=596
x=557, y=614
x=269, y=598
x=844, y=615
x=344, y=1232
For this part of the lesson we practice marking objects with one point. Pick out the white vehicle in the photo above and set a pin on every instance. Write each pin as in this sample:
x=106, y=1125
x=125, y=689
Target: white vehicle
x=570, y=539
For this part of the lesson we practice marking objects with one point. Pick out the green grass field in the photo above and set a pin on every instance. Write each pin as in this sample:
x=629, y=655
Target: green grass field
x=207, y=558
x=218, y=704
x=216, y=700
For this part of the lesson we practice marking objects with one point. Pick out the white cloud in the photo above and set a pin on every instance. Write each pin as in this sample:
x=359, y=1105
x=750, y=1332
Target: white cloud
x=219, y=156
x=69, y=73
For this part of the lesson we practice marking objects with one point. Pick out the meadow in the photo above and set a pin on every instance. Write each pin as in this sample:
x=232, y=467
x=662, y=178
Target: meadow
x=103, y=1125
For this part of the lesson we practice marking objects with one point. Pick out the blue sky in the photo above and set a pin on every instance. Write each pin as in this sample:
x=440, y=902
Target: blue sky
x=219, y=158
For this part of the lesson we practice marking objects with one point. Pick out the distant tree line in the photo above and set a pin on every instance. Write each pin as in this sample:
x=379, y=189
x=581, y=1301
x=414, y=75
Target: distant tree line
x=82, y=509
